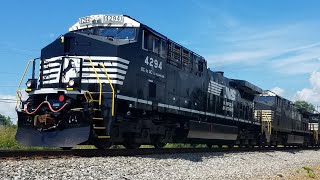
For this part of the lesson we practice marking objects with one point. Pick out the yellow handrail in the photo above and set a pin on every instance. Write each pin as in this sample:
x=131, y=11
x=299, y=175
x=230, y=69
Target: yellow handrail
x=269, y=124
x=97, y=76
x=105, y=70
x=19, y=95
x=315, y=134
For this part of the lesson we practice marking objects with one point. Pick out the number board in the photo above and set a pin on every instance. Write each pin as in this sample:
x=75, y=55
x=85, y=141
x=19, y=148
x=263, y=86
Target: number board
x=105, y=19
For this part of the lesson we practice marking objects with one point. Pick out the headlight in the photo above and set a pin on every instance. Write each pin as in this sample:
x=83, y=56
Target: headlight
x=29, y=83
x=71, y=83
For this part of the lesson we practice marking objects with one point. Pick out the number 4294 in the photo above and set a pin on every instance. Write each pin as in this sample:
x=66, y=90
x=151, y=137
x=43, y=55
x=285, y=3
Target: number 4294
x=153, y=63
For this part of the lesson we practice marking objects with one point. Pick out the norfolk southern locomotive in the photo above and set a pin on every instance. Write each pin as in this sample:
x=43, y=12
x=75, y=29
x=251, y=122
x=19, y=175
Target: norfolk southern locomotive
x=112, y=80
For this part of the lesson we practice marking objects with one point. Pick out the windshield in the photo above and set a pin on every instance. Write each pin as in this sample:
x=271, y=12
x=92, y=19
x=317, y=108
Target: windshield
x=266, y=98
x=113, y=32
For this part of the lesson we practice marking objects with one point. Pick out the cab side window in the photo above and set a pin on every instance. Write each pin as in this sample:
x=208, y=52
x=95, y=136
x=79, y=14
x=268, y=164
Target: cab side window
x=151, y=42
x=200, y=66
x=156, y=45
x=147, y=41
x=163, y=50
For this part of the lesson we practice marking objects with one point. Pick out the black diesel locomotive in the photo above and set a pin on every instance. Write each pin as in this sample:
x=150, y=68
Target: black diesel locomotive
x=112, y=80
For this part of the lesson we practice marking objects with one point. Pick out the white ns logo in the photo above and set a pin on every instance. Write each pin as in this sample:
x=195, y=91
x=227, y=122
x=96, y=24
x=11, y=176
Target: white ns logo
x=230, y=94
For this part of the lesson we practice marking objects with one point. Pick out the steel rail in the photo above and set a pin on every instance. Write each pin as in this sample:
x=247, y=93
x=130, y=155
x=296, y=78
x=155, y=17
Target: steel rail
x=29, y=154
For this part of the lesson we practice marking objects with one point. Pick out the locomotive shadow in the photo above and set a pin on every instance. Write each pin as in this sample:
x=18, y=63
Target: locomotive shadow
x=295, y=151
x=199, y=157
x=187, y=156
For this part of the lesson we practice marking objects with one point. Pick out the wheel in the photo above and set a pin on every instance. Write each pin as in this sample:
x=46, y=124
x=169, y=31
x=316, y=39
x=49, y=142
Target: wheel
x=230, y=145
x=66, y=148
x=102, y=144
x=209, y=145
x=131, y=145
x=159, y=145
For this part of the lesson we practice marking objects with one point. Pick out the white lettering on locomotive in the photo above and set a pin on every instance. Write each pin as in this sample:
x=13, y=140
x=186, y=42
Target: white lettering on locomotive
x=101, y=19
x=228, y=106
x=230, y=97
x=154, y=64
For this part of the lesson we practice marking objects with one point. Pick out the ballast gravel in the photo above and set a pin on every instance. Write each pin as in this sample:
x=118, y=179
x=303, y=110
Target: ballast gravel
x=249, y=165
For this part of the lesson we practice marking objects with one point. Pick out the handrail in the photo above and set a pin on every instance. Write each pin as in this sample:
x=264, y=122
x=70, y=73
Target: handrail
x=269, y=124
x=19, y=95
x=97, y=76
x=315, y=134
x=105, y=70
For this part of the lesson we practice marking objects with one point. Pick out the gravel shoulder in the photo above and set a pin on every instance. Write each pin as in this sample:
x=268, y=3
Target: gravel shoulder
x=250, y=165
x=306, y=172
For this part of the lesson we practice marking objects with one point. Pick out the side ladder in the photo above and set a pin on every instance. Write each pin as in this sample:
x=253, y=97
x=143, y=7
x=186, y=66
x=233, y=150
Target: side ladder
x=266, y=117
x=99, y=123
x=316, y=137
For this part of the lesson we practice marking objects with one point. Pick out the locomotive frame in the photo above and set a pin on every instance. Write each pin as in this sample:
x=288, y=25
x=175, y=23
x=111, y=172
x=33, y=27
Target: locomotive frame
x=97, y=87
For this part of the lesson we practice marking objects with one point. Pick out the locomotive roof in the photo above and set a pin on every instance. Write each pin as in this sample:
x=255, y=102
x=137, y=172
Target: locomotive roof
x=246, y=86
x=116, y=20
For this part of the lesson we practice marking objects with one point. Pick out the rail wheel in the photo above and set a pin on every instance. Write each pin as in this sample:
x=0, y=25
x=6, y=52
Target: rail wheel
x=102, y=144
x=131, y=145
x=209, y=145
x=66, y=148
x=158, y=143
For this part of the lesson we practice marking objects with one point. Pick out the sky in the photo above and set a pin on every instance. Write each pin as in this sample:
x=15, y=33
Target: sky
x=270, y=43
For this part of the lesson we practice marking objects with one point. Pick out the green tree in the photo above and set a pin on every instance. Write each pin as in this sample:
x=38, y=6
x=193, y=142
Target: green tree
x=304, y=106
x=6, y=121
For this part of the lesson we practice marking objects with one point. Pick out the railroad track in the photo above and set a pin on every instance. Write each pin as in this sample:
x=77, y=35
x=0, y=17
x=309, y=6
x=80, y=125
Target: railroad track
x=51, y=154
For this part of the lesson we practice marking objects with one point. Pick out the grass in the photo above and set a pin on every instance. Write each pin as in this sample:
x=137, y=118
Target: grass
x=7, y=138
x=169, y=145
x=8, y=141
x=180, y=145
x=309, y=171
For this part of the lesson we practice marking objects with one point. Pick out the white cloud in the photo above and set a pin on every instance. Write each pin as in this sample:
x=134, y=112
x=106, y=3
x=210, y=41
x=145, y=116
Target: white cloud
x=315, y=80
x=279, y=91
x=302, y=60
x=285, y=48
x=312, y=94
x=288, y=48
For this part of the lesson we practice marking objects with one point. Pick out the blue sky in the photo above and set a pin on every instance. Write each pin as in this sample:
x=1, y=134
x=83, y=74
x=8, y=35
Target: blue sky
x=273, y=44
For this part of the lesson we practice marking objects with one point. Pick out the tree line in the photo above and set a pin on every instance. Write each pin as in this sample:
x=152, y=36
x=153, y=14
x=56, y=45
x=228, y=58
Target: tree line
x=304, y=105
x=5, y=120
